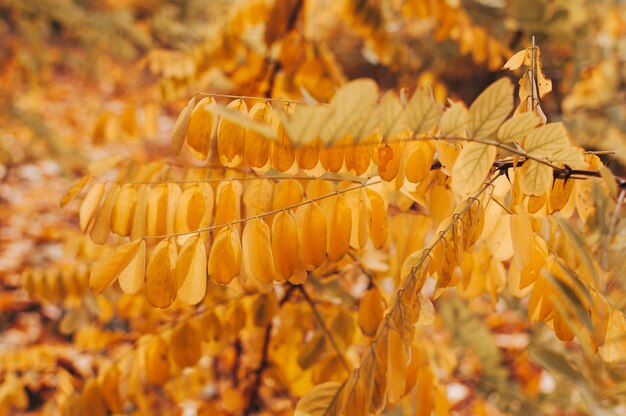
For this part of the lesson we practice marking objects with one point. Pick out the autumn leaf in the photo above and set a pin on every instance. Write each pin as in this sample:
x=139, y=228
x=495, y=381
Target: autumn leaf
x=422, y=112
x=491, y=108
x=471, y=167
x=181, y=126
x=517, y=127
x=200, y=129
x=160, y=280
x=546, y=140
x=319, y=400
x=125, y=262
x=74, y=190
x=349, y=109
x=535, y=178
x=190, y=271
x=257, y=252
x=225, y=256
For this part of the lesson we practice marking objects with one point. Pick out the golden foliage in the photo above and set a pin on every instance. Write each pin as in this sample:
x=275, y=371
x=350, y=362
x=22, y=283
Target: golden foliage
x=325, y=230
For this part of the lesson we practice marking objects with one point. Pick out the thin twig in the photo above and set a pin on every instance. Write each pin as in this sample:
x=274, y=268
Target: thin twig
x=425, y=255
x=233, y=178
x=322, y=326
x=265, y=214
x=248, y=97
x=253, y=402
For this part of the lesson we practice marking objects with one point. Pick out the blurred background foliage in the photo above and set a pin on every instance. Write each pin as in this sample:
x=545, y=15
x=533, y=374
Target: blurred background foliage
x=84, y=79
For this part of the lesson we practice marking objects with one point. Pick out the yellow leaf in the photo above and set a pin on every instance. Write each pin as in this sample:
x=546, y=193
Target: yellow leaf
x=123, y=210
x=517, y=127
x=411, y=261
x=256, y=146
x=185, y=345
x=257, y=252
x=560, y=194
x=181, y=126
x=532, y=269
x=339, y=229
x=569, y=155
x=92, y=400
x=535, y=178
x=225, y=256
x=288, y=192
x=110, y=388
x=547, y=140
x=454, y=120
x=349, y=109
x=200, y=129
x=89, y=205
x=230, y=137
x=422, y=112
x=427, y=312
x=544, y=84
x=105, y=128
x=128, y=122
x=189, y=212
x=102, y=221
x=138, y=227
x=392, y=118
x=357, y=159
x=319, y=400
x=241, y=119
x=491, y=108
x=517, y=60
x=320, y=187
x=74, y=190
x=379, y=227
x=396, y=367
x=160, y=283
x=473, y=223
x=190, y=272
x=614, y=348
x=132, y=277
x=441, y=203
x=124, y=260
x=157, y=365
x=282, y=154
x=388, y=158
x=371, y=310
x=418, y=157
x=284, y=245
x=304, y=124
x=156, y=210
x=425, y=394
x=609, y=180
x=308, y=154
x=311, y=225
x=522, y=236
x=228, y=205
x=471, y=167
x=331, y=157
x=257, y=198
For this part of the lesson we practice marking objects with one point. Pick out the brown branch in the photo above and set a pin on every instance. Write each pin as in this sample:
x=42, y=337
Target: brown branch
x=322, y=326
x=237, y=364
x=254, y=402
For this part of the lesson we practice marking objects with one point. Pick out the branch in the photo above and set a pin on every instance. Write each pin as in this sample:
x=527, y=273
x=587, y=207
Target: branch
x=322, y=325
x=265, y=214
x=254, y=403
x=410, y=279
